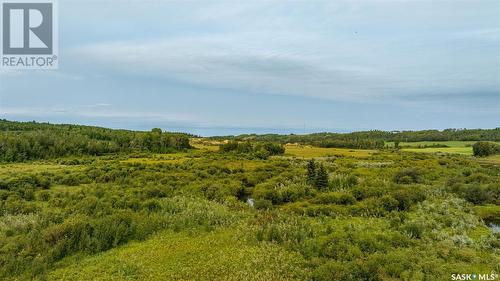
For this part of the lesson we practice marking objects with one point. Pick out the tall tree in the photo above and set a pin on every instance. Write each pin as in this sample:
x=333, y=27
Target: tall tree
x=311, y=172
x=322, y=178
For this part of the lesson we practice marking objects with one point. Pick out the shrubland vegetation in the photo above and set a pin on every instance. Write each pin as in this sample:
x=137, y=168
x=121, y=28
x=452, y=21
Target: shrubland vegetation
x=148, y=213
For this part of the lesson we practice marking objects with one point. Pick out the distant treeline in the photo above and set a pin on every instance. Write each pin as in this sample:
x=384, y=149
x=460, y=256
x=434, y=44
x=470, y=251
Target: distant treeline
x=374, y=139
x=21, y=141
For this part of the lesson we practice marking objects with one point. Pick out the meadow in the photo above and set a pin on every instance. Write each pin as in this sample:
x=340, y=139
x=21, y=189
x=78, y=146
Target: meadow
x=307, y=151
x=223, y=210
x=452, y=147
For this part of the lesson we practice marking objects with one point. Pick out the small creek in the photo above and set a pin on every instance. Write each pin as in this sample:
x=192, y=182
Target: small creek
x=250, y=201
x=494, y=227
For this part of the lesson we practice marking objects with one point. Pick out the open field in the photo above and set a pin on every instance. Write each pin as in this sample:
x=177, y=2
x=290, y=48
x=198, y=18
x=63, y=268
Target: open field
x=307, y=151
x=173, y=158
x=451, y=150
x=8, y=170
x=205, y=144
x=453, y=147
x=428, y=143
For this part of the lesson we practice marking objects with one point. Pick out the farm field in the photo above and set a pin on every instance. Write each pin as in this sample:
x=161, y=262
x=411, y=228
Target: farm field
x=452, y=150
x=305, y=151
x=428, y=143
x=453, y=147
x=312, y=152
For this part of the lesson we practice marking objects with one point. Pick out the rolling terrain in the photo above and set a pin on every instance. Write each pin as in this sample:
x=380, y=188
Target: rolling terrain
x=219, y=209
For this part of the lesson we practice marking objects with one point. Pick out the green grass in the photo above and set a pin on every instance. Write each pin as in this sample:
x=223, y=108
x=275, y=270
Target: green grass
x=492, y=160
x=159, y=159
x=453, y=147
x=8, y=170
x=490, y=213
x=218, y=255
x=451, y=150
x=424, y=143
x=307, y=151
x=205, y=144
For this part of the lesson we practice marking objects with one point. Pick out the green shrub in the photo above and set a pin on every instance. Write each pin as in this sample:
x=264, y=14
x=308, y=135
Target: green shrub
x=483, y=148
x=408, y=176
x=389, y=203
x=340, y=198
x=263, y=204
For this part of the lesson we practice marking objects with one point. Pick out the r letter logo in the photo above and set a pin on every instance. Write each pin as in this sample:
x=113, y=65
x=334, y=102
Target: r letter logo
x=29, y=34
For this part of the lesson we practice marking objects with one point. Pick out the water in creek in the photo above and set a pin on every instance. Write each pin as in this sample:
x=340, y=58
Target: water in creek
x=494, y=227
x=250, y=201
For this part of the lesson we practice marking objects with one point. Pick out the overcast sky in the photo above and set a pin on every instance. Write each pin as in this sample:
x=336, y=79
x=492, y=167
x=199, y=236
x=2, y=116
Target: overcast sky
x=228, y=67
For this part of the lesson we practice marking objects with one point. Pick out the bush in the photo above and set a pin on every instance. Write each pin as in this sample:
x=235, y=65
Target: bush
x=483, y=148
x=477, y=195
x=263, y=204
x=283, y=191
x=152, y=205
x=389, y=203
x=413, y=229
x=408, y=176
x=44, y=195
x=340, y=198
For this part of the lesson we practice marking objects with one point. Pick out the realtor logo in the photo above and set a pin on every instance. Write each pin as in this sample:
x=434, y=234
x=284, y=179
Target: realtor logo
x=29, y=34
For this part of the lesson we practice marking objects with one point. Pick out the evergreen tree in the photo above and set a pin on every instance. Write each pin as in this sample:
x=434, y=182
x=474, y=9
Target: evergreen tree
x=311, y=172
x=321, y=178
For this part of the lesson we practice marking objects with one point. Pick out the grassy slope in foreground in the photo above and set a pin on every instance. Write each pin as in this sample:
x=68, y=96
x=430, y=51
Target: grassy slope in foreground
x=185, y=256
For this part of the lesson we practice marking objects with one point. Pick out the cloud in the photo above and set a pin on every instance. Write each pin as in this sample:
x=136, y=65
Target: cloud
x=283, y=64
x=367, y=51
x=97, y=105
x=238, y=64
x=207, y=62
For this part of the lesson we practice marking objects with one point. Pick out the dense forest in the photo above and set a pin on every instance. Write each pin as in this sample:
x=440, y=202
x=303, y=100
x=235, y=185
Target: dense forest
x=20, y=141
